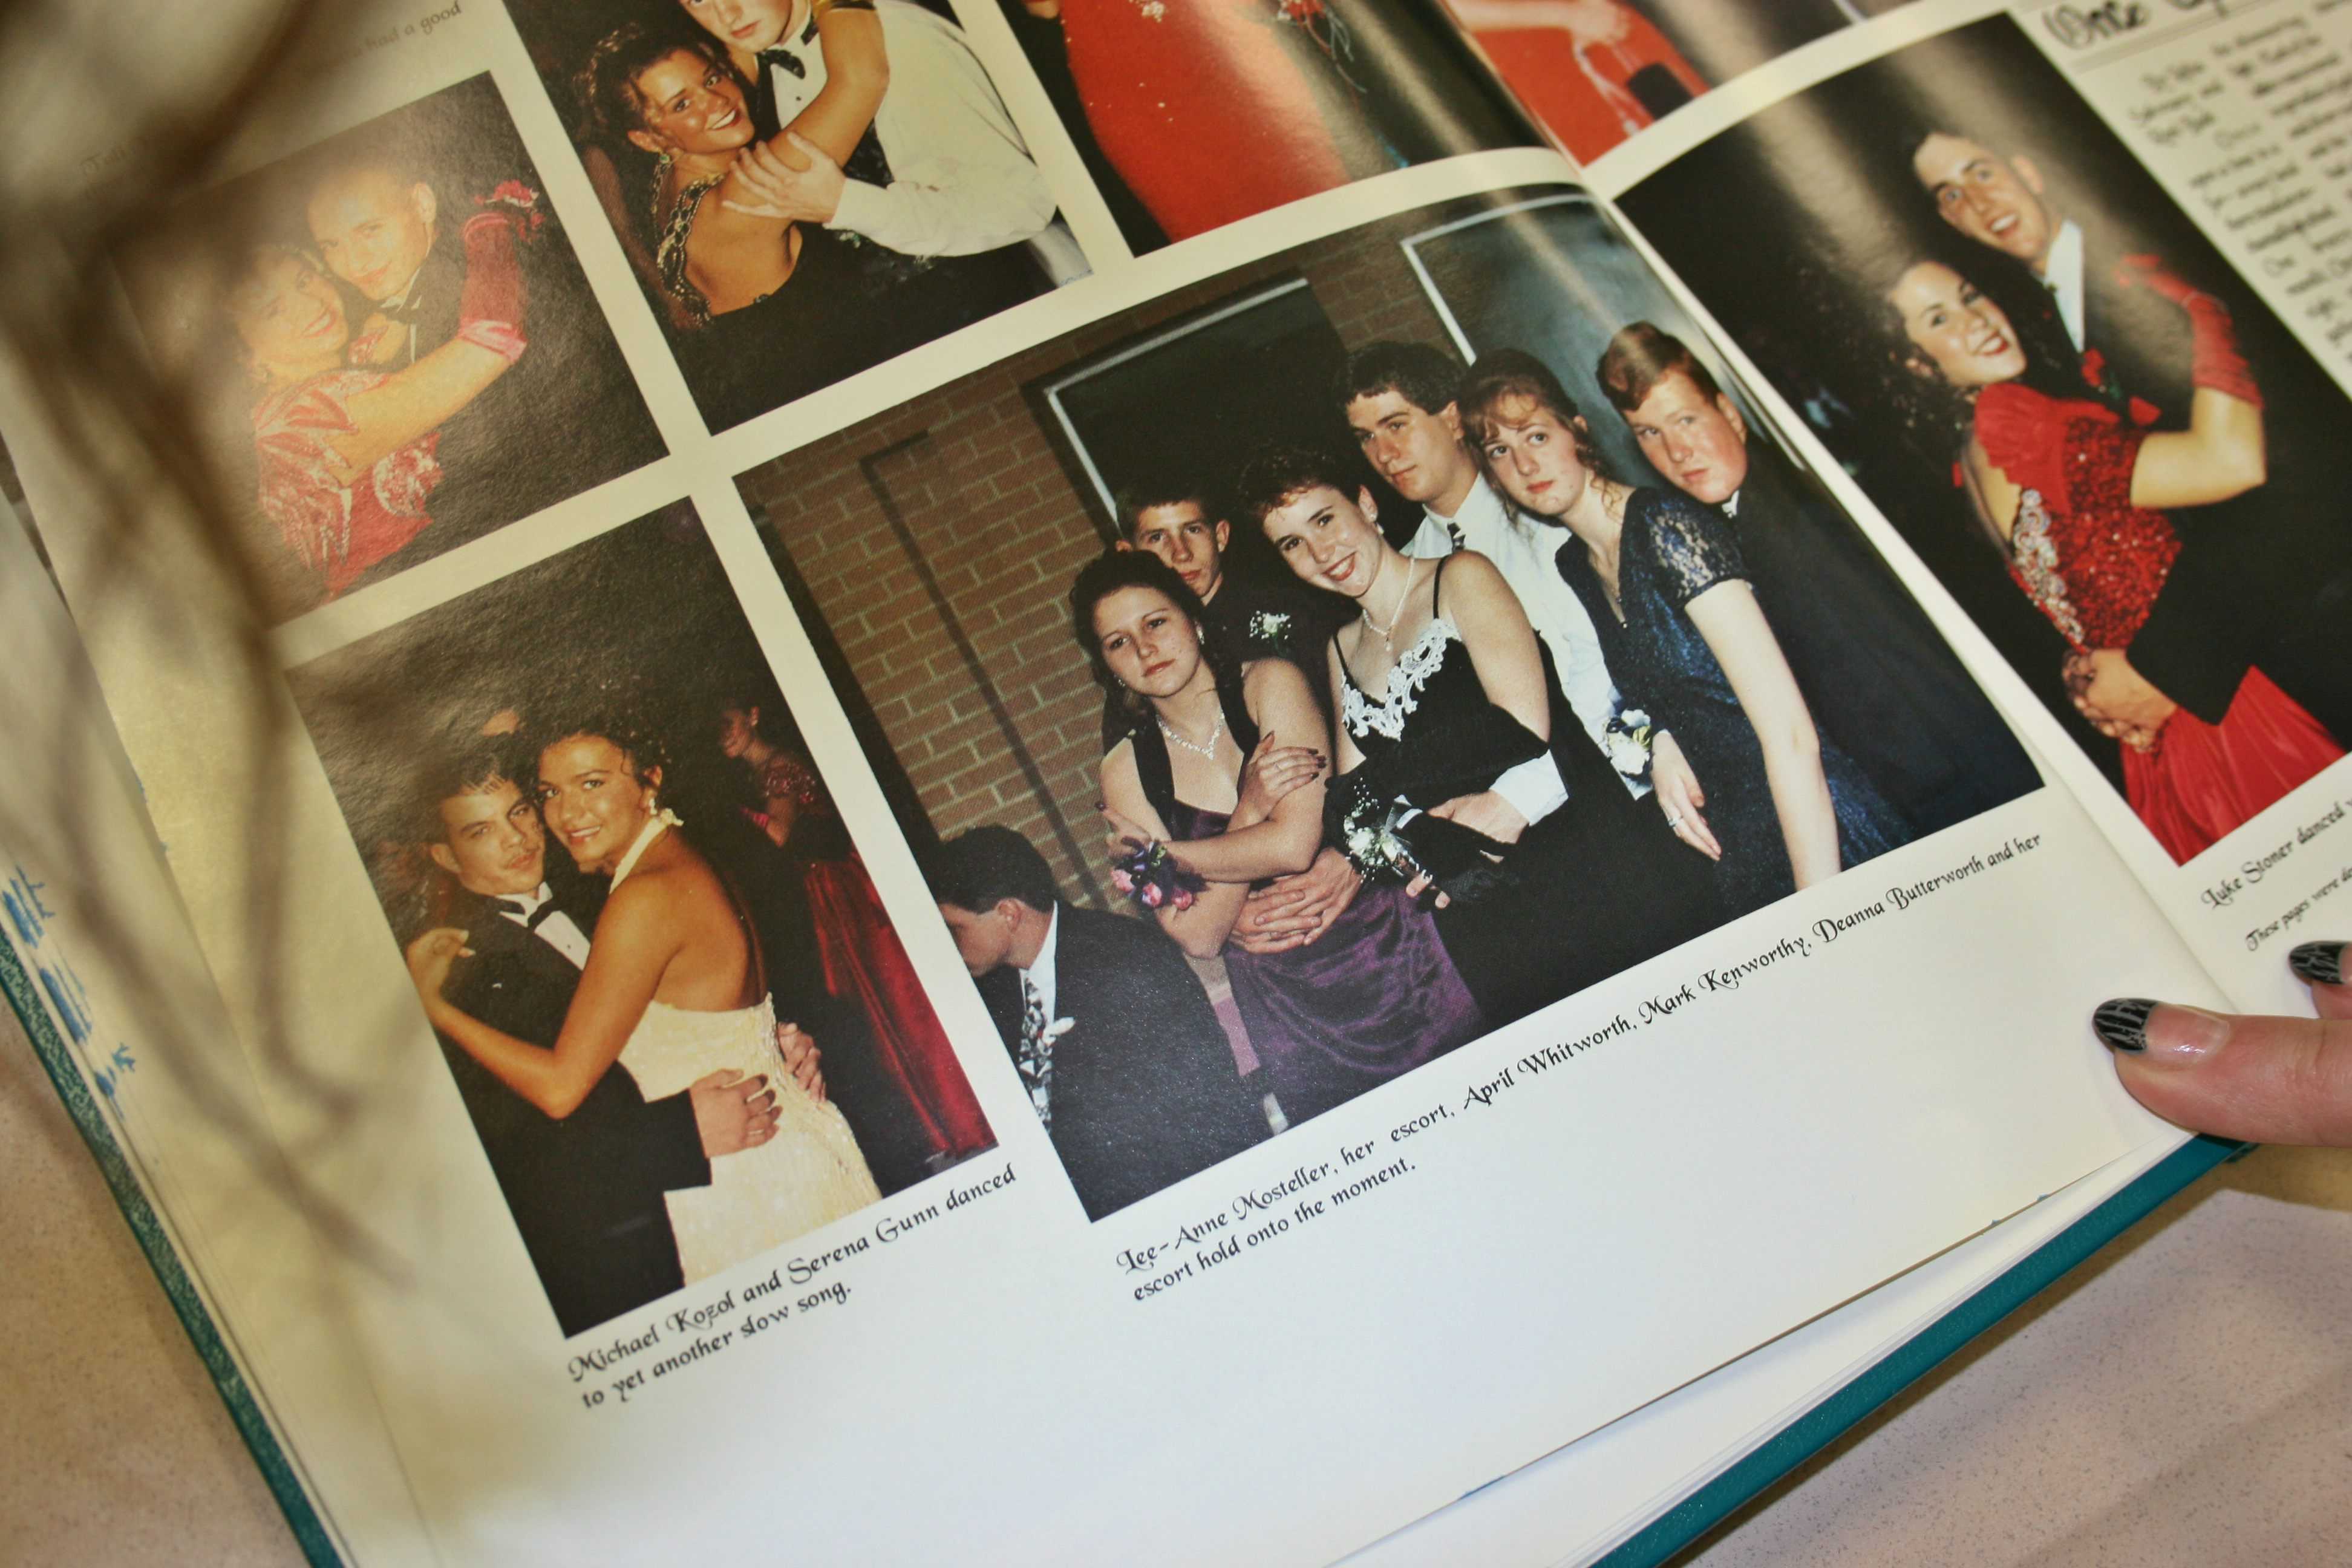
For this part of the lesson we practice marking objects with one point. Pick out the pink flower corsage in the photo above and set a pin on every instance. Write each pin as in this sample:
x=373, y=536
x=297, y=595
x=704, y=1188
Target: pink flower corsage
x=1151, y=877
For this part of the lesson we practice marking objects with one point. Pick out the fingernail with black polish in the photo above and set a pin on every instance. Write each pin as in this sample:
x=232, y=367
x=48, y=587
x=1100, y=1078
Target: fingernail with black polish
x=2320, y=962
x=2122, y=1023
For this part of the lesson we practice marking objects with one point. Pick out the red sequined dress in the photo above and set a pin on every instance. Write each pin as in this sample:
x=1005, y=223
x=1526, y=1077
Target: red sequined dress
x=1202, y=105
x=2093, y=563
x=866, y=962
x=338, y=529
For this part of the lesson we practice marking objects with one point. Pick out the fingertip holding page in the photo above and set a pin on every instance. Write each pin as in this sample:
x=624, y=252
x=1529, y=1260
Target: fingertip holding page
x=2270, y=1081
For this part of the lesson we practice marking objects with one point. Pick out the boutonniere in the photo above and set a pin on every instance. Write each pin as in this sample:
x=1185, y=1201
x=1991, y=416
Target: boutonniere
x=1058, y=1028
x=1627, y=740
x=1269, y=625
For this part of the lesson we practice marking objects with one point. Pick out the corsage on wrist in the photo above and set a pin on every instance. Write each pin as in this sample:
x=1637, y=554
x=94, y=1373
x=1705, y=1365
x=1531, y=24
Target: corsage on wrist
x=1152, y=877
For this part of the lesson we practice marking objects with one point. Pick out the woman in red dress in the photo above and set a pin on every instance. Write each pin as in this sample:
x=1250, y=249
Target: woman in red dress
x=1202, y=105
x=344, y=453
x=2075, y=495
x=1594, y=71
x=863, y=959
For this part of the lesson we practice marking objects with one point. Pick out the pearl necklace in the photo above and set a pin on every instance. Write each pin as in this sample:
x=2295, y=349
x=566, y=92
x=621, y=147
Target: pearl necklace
x=1216, y=733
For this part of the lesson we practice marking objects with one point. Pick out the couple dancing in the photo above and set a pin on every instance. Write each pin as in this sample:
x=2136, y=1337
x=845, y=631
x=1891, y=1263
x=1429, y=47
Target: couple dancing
x=773, y=165
x=2070, y=477
x=361, y=346
x=596, y=1040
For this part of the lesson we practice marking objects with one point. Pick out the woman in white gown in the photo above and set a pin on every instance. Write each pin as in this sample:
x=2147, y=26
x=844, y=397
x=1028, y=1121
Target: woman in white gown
x=673, y=990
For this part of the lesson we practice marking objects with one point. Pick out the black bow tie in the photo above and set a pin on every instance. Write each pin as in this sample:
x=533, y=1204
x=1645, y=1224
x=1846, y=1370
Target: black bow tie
x=531, y=918
x=784, y=55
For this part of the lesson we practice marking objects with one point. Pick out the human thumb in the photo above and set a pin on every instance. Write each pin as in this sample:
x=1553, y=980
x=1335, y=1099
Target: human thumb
x=2267, y=1080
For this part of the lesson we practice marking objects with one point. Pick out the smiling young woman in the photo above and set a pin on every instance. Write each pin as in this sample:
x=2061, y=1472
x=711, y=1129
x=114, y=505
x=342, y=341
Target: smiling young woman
x=1670, y=595
x=1552, y=875
x=1224, y=770
x=674, y=989
x=2074, y=496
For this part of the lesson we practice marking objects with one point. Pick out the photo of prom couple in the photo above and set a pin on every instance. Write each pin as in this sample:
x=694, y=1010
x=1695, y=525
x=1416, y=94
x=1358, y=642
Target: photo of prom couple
x=389, y=341
x=667, y=993
x=803, y=188
x=2118, y=459
x=1429, y=692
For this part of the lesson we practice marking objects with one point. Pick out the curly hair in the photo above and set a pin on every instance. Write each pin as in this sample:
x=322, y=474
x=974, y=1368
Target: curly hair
x=606, y=85
x=1509, y=375
x=1275, y=476
x=617, y=711
x=1107, y=574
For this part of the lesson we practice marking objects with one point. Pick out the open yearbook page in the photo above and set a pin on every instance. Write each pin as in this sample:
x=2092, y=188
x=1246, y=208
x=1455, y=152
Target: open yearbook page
x=933, y=754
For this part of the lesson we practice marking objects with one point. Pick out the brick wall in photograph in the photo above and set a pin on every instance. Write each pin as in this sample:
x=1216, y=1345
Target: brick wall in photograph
x=974, y=567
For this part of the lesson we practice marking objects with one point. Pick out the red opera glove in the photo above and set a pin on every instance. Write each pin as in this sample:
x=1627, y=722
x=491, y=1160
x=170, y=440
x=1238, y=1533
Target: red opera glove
x=491, y=303
x=2214, y=361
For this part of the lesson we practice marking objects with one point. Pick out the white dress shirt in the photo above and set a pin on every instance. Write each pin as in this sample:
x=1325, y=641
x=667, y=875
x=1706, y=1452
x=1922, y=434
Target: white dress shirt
x=962, y=180
x=2064, y=278
x=1524, y=554
x=1040, y=974
x=558, y=930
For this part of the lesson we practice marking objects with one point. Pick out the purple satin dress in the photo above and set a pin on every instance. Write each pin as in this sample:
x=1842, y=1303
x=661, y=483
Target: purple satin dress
x=1371, y=999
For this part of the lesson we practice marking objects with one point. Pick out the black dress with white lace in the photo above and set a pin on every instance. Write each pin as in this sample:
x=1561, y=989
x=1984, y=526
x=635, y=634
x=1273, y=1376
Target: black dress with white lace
x=1593, y=888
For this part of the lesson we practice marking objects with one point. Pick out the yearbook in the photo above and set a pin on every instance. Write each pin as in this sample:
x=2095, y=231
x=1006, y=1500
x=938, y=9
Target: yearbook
x=872, y=779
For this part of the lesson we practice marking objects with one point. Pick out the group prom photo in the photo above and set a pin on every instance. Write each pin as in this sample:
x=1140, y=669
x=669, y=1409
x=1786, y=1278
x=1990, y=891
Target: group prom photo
x=672, y=1002
x=2109, y=451
x=1350, y=655
x=390, y=345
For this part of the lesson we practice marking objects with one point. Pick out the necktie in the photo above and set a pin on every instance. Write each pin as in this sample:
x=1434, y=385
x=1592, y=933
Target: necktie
x=1036, y=1058
x=1453, y=533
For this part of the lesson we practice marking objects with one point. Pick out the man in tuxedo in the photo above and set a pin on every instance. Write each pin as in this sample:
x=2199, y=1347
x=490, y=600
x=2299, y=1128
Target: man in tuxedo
x=586, y=1192
x=568, y=417
x=1398, y=402
x=2259, y=579
x=1879, y=680
x=942, y=171
x=1123, y=1060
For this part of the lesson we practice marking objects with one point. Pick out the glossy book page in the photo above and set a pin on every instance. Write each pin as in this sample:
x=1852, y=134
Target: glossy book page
x=851, y=817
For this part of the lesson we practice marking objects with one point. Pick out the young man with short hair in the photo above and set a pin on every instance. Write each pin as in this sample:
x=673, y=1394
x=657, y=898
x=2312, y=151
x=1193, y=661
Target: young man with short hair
x=2275, y=549
x=1399, y=401
x=942, y=171
x=568, y=417
x=1877, y=677
x=586, y=1192
x=1122, y=1058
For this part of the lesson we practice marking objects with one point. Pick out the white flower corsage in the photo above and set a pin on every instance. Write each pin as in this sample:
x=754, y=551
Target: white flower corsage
x=1269, y=625
x=1626, y=739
